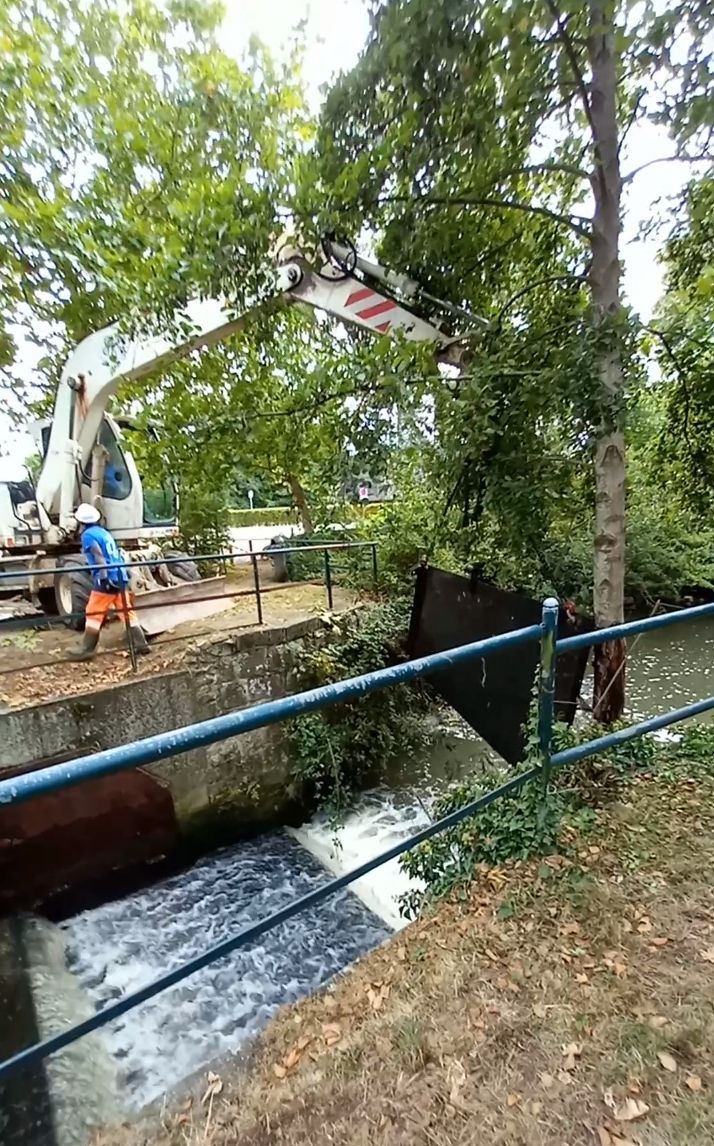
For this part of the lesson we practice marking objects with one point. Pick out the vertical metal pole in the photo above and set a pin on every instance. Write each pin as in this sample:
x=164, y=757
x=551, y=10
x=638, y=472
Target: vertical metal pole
x=256, y=582
x=375, y=572
x=328, y=579
x=127, y=626
x=546, y=685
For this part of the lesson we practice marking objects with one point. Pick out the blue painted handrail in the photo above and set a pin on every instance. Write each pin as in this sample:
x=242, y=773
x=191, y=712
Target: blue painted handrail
x=630, y=628
x=154, y=748
x=54, y=1043
x=24, y=787
x=632, y=732
x=267, y=552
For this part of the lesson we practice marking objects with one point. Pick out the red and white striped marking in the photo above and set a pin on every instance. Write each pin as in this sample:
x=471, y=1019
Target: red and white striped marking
x=366, y=305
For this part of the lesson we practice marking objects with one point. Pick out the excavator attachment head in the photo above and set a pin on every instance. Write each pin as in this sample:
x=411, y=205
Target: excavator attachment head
x=493, y=693
x=165, y=607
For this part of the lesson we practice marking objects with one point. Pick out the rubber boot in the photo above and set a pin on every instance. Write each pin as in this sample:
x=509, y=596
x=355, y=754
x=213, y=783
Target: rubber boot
x=139, y=641
x=87, y=647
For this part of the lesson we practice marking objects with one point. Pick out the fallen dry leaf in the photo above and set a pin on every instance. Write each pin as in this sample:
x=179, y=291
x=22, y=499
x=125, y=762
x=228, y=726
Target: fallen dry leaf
x=694, y=1082
x=377, y=996
x=604, y=1136
x=279, y=1070
x=332, y=1033
x=570, y=929
x=539, y=1010
x=564, y=1077
x=707, y=954
x=570, y=1053
x=630, y=1110
x=644, y=926
x=536, y=1107
x=658, y=1021
x=660, y=941
x=215, y=1086
x=513, y=1099
x=547, y=1080
x=667, y=1061
x=457, y=1075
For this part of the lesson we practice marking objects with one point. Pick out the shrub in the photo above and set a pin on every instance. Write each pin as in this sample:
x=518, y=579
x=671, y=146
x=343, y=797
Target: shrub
x=269, y=515
x=337, y=750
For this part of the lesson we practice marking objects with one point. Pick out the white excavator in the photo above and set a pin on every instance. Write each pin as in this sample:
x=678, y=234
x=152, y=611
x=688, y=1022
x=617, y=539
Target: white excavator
x=85, y=449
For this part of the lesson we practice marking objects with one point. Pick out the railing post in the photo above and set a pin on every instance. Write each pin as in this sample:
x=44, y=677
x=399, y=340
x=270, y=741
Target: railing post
x=546, y=685
x=328, y=580
x=256, y=582
x=127, y=628
x=375, y=572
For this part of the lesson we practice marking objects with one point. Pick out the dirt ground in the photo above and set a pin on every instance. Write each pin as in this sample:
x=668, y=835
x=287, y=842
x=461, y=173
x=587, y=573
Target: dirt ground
x=566, y=1002
x=34, y=665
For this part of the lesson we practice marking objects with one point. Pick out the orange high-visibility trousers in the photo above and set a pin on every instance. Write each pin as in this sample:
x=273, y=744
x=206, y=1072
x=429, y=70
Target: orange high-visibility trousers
x=101, y=604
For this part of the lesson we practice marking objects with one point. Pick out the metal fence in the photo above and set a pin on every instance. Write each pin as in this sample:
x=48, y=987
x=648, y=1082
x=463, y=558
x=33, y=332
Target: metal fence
x=56, y=777
x=259, y=590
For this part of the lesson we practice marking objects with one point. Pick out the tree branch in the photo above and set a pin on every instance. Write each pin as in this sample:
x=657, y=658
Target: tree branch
x=683, y=381
x=633, y=116
x=575, y=66
x=666, y=159
x=575, y=222
x=532, y=286
x=564, y=168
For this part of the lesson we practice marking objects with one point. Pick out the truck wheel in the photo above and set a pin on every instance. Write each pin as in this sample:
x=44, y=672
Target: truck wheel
x=73, y=584
x=186, y=570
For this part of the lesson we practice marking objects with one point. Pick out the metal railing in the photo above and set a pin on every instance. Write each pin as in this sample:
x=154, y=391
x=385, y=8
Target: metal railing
x=56, y=777
x=258, y=591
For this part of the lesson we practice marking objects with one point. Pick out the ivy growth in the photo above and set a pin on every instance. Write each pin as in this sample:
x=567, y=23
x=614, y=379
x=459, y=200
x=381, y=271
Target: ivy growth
x=336, y=751
x=527, y=823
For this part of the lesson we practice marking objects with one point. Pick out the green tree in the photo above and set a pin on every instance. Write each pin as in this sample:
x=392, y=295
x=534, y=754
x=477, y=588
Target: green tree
x=141, y=165
x=483, y=142
x=681, y=337
x=291, y=401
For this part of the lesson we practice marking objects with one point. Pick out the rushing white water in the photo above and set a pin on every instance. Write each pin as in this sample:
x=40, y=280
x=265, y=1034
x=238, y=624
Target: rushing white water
x=118, y=947
x=380, y=820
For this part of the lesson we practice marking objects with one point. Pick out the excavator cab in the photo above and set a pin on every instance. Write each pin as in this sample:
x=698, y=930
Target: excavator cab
x=160, y=497
x=133, y=510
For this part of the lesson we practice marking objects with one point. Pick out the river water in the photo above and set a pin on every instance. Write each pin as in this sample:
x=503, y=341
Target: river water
x=119, y=946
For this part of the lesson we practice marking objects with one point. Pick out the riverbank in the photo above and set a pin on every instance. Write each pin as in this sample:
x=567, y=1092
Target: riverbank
x=567, y=1001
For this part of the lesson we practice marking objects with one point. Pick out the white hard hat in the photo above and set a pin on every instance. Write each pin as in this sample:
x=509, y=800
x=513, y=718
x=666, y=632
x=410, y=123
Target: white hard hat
x=87, y=514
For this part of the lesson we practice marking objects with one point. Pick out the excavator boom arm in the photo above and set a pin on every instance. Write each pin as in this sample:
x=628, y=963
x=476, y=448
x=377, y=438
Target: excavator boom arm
x=105, y=359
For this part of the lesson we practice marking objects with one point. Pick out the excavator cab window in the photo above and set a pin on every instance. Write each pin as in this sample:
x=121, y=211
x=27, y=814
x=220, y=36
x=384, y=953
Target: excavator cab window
x=160, y=502
x=117, y=480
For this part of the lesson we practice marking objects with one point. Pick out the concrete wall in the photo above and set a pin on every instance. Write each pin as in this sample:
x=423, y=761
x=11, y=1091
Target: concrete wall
x=56, y=1102
x=218, y=792
x=219, y=677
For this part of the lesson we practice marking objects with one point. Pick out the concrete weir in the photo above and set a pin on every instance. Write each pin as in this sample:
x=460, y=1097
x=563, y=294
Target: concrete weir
x=92, y=833
x=58, y=1102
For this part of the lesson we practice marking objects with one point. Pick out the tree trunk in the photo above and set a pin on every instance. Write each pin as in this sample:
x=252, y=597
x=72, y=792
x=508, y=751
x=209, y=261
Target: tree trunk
x=609, y=547
x=300, y=502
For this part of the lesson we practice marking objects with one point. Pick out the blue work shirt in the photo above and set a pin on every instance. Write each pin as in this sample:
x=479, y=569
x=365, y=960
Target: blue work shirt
x=97, y=535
